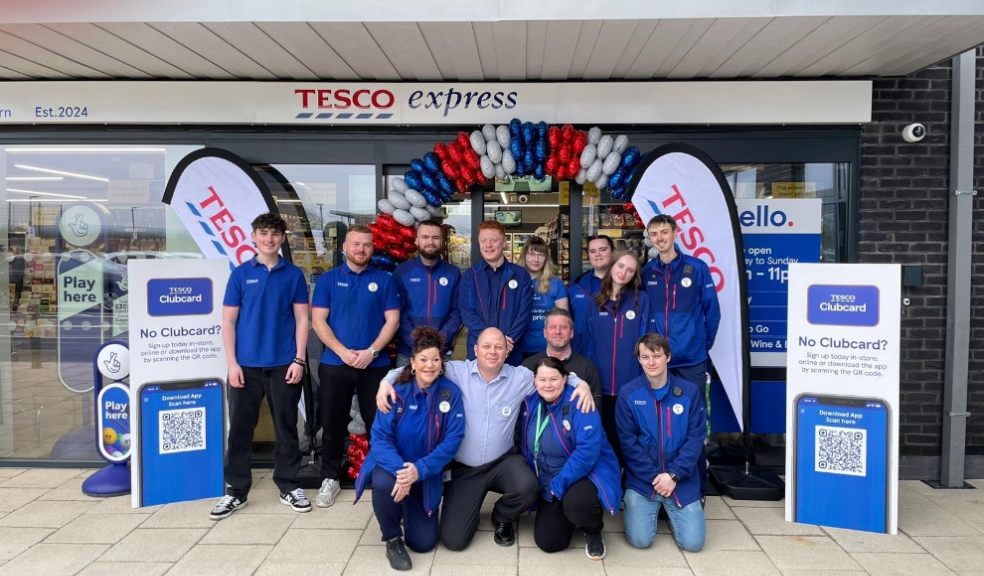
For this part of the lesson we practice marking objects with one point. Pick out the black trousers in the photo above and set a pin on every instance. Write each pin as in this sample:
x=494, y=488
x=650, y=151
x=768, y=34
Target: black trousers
x=608, y=423
x=555, y=520
x=463, y=496
x=338, y=383
x=244, y=411
x=419, y=530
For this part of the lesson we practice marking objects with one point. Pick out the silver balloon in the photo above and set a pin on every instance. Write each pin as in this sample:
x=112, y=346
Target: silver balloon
x=488, y=132
x=477, y=142
x=502, y=136
x=594, y=135
x=594, y=171
x=385, y=206
x=601, y=182
x=647, y=241
x=493, y=151
x=621, y=143
x=610, y=165
x=398, y=184
x=653, y=253
x=419, y=214
x=403, y=217
x=434, y=211
x=605, y=146
x=500, y=172
x=415, y=198
x=398, y=200
x=588, y=155
x=582, y=175
x=488, y=168
x=508, y=162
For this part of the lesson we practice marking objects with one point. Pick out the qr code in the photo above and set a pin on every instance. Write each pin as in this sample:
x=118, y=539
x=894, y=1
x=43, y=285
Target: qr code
x=182, y=430
x=841, y=450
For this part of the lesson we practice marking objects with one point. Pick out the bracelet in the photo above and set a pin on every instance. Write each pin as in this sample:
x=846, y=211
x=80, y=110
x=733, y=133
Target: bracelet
x=299, y=361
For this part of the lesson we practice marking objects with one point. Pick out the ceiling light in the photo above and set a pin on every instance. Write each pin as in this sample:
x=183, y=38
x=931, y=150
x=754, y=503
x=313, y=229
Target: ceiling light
x=34, y=178
x=84, y=150
x=61, y=172
x=48, y=200
x=72, y=196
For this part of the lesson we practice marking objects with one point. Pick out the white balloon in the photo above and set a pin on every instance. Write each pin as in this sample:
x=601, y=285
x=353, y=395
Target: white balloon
x=594, y=135
x=434, y=211
x=647, y=241
x=508, y=162
x=500, y=172
x=488, y=168
x=610, y=165
x=488, y=132
x=385, y=206
x=594, y=170
x=398, y=200
x=415, y=198
x=582, y=175
x=605, y=146
x=601, y=182
x=477, y=142
x=398, y=184
x=653, y=253
x=403, y=217
x=494, y=151
x=419, y=214
x=502, y=135
x=621, y=143
x=588, y=155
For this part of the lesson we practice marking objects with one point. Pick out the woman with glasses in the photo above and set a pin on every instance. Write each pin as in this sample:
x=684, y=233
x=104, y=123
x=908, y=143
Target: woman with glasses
x=548, y=292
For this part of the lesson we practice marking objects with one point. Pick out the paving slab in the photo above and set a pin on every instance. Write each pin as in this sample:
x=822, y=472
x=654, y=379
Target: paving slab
x=248, y=529
x=154, y=545
x=13, y=498
x=13, y=541
x=126, y=569
x=371, y=561
x=806, y=552
x=45, y=514
x=315, y=547
x=53, y=559
x=772, y=521
x=221, y=560
x=97, y=529
x=958, y=553
x=728, y=535
x=570, y=562
x=887, y=564
x=41, y=478
x=731, y=563
x=857, y=541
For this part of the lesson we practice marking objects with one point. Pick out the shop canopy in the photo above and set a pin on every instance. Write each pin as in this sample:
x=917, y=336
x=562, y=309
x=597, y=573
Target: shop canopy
x=475, y=40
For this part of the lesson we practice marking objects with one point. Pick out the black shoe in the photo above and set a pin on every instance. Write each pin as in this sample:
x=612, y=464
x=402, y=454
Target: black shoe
x=397, y=555
x=505, y=533
x=594, y=546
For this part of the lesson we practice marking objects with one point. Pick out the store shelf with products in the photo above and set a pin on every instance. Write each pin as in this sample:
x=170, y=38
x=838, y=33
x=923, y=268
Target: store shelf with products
x=612, y=220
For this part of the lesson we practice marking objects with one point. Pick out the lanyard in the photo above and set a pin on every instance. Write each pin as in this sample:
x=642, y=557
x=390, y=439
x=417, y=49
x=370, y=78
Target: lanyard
x=540, y=427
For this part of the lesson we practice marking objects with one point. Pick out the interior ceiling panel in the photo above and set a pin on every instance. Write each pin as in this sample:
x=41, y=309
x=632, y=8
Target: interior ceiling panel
x=766, y=44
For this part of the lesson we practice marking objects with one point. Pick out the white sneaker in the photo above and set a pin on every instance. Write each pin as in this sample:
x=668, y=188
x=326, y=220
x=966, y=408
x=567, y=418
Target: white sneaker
x=296, y=500
x=327, y=493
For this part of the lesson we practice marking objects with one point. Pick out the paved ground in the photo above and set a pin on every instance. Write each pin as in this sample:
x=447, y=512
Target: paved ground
x=48, y=527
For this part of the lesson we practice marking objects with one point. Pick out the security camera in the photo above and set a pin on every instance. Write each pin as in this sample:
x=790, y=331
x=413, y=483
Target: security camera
x=914, y=132
x=522, y=198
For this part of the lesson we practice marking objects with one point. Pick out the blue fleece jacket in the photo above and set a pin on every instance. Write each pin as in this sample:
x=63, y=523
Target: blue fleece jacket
x=613, y=331
x=502, y=298
x=428, y=297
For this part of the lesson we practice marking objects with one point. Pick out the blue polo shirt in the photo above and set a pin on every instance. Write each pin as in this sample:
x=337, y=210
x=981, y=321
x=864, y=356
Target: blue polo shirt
x=357, y=304
x=534, y=341
x=265, y=327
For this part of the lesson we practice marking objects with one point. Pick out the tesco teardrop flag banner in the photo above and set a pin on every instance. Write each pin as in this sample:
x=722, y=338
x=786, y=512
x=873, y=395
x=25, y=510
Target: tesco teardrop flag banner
x=217, y=194
x=683, y=182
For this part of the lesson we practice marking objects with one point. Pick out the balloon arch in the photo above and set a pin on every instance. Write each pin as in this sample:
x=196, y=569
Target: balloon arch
x=519, y=148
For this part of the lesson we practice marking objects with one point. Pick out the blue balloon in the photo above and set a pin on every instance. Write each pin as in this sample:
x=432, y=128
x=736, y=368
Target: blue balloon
x=432, y=162
x=516, y=147
x=520, y=168
x=528, y=132
x=540, y=150
x=515, y=126
x=430, y=183
x=417, y=166
x=616, y=179
x=383, y=261
x=528, y=160
x=412, y=179
x=446, y=195
x=446, y=186
x=631, y=156
x=541, y=129
x=538, y=171
x=431, y=198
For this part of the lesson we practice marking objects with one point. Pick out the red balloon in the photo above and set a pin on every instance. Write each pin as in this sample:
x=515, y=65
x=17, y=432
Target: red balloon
x=628, y=207
x=441, y=149
x=460, y=184
x=567, y=131
x=564, y=154
x=553, y=136
x=378, y=244
x=573, y=165
x=471, y=158
x=454, y=155
x=463, y=141
x=550, y=165
x=408, y=233
x=580, y=140
x=385, y=221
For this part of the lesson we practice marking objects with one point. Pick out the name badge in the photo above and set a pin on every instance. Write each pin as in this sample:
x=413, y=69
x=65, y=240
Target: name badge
x=678, y=409
x=373, y=286
x=686, y=282
x=513, y=284
x=445, y=407
x=567, y=425
x=630, y=315
x=443, y=281
x=506, y=411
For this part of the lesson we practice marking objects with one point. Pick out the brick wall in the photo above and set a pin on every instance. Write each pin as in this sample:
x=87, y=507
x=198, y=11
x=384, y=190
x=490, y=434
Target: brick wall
x=903, y=219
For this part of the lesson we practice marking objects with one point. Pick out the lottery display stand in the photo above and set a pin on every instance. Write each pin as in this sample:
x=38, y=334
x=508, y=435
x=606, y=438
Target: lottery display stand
x=111, y=363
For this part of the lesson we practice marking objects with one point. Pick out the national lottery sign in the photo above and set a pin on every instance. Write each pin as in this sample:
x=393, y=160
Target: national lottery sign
x=683, y=182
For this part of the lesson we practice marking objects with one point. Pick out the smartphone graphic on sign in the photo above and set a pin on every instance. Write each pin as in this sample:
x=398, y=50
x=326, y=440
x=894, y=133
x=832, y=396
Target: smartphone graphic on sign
x=182, y=440
x=842, y=447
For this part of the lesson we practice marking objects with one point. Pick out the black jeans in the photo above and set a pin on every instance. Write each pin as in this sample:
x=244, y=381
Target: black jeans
x=244, y=410
x=338, y=383
x=463, y=496
x=555, y=520
x=419, y=530
x=607, y=409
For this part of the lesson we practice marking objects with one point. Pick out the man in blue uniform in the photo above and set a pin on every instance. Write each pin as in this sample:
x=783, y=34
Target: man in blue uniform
x=495, y=294
x=355, y=313
x=601, y=248
x=265, y=331
x=428, y=291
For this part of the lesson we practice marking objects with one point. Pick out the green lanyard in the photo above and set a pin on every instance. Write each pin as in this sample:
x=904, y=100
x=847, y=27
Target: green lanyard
x=540, y=427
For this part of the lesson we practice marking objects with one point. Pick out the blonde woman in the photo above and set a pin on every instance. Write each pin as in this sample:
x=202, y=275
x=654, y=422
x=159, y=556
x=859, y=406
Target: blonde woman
x=548, y=292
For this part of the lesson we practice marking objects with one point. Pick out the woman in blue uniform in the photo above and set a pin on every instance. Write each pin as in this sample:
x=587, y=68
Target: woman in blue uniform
x=620, y=315
x=548, y=292
x=575, y=466
x=411, y=445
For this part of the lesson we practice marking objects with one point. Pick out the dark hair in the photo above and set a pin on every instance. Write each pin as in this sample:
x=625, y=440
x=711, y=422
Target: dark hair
x=653, y=341
x=270, y=221
x=424, y=337
x=551, y=362
x=433, y=223
x=661, y=219
x=608, y=240
x=608, y=285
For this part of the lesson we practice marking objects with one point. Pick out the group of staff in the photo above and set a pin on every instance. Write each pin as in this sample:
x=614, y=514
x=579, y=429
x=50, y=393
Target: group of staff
x=517, y=418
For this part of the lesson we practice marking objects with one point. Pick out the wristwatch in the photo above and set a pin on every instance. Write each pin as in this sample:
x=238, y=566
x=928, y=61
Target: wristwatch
x=374, y=352
x=675, y=478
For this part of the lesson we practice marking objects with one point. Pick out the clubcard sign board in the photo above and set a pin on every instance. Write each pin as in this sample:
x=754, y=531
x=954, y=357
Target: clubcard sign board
x=842, y=410
x=178, y=367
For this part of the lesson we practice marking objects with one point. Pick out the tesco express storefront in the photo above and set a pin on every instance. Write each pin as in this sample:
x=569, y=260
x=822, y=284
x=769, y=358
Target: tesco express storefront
x=86, y=164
